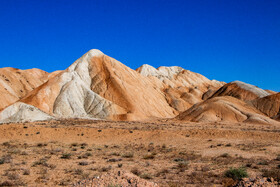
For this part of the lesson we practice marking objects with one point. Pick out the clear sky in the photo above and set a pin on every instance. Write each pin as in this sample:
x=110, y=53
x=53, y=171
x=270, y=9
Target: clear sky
x=225, y=40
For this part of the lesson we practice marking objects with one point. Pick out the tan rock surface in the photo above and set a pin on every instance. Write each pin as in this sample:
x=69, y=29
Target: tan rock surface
x=277, y=117
x=271, y=92
x=269, y=105
x=16, y=83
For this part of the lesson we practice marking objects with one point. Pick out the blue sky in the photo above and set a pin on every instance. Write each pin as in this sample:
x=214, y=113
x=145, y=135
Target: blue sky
x=225, y=40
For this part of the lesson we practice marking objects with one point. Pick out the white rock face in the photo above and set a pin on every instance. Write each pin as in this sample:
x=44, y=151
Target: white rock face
x=81, y=66
x=21, y=112
x=161, y=73
x=258, y=91
x=77, y=100
x=176, y=76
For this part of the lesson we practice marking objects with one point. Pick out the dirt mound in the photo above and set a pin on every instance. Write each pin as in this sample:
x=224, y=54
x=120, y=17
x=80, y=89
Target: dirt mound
x=16, y=83
x=224, y=109
x=241, y=90
x=269, y=105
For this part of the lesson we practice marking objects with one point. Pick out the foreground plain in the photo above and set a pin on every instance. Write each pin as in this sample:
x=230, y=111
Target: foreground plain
x=164, y=153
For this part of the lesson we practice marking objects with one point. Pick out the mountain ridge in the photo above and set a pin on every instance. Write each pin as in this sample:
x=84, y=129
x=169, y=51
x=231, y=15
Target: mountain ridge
x=97, y=86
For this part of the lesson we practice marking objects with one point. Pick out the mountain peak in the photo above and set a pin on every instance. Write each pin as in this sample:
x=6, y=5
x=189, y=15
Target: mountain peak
x=82, y=62
x=94, y=52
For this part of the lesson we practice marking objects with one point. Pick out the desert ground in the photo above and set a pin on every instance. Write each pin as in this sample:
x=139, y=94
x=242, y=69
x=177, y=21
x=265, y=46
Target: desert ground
x=77, y=152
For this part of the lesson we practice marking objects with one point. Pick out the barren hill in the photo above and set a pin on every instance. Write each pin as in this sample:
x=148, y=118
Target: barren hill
x=241, y=90
x=224, y=109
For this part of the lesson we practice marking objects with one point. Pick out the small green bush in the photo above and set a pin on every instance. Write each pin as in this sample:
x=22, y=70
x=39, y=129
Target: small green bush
x=236, y=173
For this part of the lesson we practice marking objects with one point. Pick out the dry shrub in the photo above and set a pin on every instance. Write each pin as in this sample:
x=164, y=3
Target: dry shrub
x=183, y=165
x=7, y=183
x=135, y=171
x=128, y=155
x=66, y=156
x=146, y=176
x=163, y=171
x=83, y=163
x=26, y=172
x=5, y=159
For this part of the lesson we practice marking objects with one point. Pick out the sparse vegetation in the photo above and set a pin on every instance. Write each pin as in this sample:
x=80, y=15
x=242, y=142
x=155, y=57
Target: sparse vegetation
x=236, y=173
